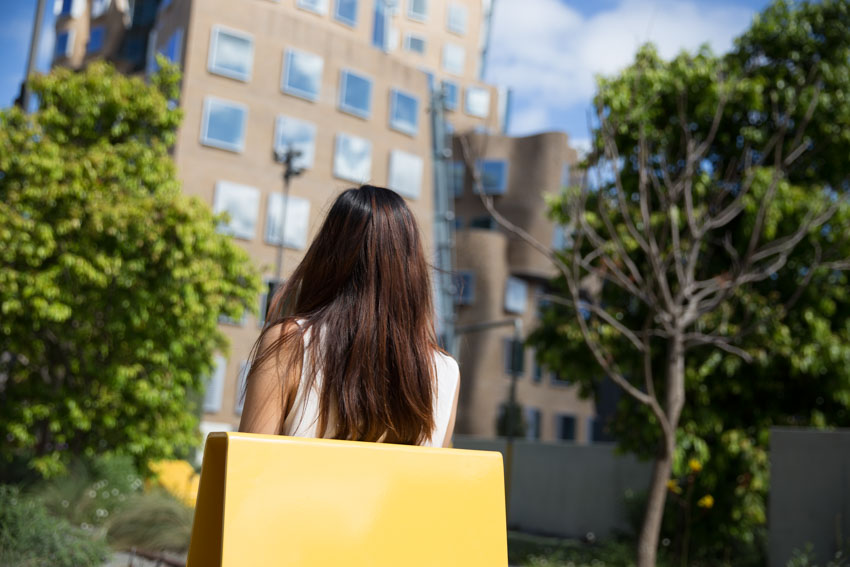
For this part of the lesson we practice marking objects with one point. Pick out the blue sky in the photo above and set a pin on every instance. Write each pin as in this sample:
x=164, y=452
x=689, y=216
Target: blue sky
x=547, y=51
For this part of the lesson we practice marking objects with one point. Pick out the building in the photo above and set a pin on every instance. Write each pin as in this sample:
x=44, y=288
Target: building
x=347, y=83
x=502, y=277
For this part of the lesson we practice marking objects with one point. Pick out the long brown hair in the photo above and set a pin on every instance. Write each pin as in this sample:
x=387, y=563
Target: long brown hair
x=363, y=292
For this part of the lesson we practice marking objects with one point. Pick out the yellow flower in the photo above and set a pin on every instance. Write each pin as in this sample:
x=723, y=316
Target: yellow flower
x=694, y=465
x=674, y=487
x=706, y=501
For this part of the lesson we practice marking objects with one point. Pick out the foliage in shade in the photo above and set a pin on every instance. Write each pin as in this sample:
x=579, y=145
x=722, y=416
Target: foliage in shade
x=793, y=62
x=111, y=280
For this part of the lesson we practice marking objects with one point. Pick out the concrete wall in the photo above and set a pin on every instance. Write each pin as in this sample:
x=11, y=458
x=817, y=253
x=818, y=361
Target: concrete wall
x=565, y=489
x=809, y=493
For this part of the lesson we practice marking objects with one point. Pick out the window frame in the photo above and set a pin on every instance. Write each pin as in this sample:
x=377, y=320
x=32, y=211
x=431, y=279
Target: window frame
x=237, y=147
x=447, y=48
x=255, y=195
x=337, y=145
x=69, y=45
x=503, y=186
x=456, y=30
x=288, y=55
x=416, y=16
x=217, y=30
x=466, y=99
x=343, y=87
x=304, y=5
x=413, y=35
x=394, y=123
x=102, y=29
x=342, y=19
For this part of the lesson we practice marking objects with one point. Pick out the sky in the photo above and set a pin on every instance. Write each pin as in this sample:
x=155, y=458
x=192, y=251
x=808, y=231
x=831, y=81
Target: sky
x=547, y=51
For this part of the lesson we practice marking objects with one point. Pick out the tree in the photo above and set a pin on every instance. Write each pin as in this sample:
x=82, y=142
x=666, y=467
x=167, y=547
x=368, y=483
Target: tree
x=716, y=206
x=112, y=281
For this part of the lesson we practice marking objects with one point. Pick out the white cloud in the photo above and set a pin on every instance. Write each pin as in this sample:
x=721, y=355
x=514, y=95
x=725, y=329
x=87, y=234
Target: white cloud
x=549, y=53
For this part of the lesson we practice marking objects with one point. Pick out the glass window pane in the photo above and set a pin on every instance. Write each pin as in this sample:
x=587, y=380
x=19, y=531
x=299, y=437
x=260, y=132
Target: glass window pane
x=97, y=37
x=295, y=134
x=231, y=54
x=477, y=102
x=566, y=425
x=64, y=44
x=464, y=283
x=297, y=215
x=224, y=124
x=355, y=95
x=381, y=25
x=241, y=203
x=353, y=158
x=174, y=47
x=454, y=57
x=457, y=19
x=302, y=74
x=404, y=112
x=345, y=11
x=414, y=43
x=494, y=176
x=406, y=174
x=417, y=9
x=452, y=94
x=532, y=422
x=98, y=7
x=317, y=6
x=516, y=294
x=215, y=385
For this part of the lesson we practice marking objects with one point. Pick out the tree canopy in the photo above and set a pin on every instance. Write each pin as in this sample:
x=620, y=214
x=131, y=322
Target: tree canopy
x=781, y=344
x=111, y=280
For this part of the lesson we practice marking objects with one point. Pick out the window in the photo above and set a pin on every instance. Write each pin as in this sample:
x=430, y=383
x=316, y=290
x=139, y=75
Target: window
x=231, y=54
x=296, y=214
x=514, y=351
x=64, y=46
x=302, y=74
x=417, y=10
x=174, y=47
x=316, y=6
x=295, y=134
x=537, y=373
x=458, y=173
x=494, y=176
x=516, y=293
x=453, y=58
x=457, y=19
x=163, y=4
x=65, y=7
x=485, y=222
x=355, y=94
x=72, y=8
x=271, y=286
x=99, y=7
x=430, y=76
x=477, y=102
x=452, y=93
x=381, y=25
x=404, y=112
x=223, y=124
x=565, y=427
x=414, y=43
x=244, y=367
x=97, y=36
x=532, y=423
x=241, y=203
x=353, y=158
x=558, y=380
x=215, y=385
x=464, y=284
x=405, y=174
x=345, y=11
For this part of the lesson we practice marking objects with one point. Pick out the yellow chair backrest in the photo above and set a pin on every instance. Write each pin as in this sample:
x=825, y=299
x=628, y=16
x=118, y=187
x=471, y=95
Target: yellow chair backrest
x=267, y=500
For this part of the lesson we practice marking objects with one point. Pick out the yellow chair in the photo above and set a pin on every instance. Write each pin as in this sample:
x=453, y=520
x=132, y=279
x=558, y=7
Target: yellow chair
x=267, y=500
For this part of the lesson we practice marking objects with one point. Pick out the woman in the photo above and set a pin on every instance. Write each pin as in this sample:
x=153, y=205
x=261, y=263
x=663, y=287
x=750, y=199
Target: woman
x=348, y=350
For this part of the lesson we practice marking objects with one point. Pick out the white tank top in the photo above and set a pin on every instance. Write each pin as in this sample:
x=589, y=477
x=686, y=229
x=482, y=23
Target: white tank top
x=303, y=419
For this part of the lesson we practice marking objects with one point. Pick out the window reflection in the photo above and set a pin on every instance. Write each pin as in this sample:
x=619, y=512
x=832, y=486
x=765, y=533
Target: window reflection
x=353, y=158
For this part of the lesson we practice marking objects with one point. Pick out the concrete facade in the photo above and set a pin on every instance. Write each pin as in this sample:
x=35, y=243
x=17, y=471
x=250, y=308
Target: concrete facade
x=809, y=499
x=568, y=490
x=506, y=277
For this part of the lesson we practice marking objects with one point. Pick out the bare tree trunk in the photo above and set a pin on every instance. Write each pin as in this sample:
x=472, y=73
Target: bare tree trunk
x=657, y=497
